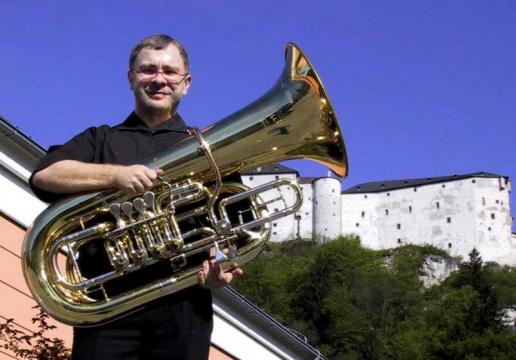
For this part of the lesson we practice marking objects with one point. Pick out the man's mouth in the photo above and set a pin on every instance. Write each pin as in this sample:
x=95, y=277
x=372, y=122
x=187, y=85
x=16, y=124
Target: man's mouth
x=157, y=94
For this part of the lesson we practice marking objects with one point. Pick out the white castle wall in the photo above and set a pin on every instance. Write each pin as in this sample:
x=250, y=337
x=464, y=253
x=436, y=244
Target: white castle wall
x=304, y=216
x=326, y=209
x=455, y=215
x=359, y=213
x=494, y=221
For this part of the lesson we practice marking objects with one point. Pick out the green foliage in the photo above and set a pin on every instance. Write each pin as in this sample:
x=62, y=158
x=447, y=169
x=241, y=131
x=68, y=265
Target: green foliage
x=356, y=303
x=35, y=345
x=503, y=280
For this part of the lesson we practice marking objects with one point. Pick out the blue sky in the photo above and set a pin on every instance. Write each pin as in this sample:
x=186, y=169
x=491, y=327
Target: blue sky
x=421, y=88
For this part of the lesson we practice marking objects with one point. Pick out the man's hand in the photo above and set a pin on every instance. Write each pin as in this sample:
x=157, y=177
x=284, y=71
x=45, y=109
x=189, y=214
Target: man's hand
x=135, y=179
x=70, y=176
x=213, y=277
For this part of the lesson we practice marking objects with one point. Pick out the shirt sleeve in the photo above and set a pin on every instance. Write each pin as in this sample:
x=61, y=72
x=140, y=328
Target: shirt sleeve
x=81, y=148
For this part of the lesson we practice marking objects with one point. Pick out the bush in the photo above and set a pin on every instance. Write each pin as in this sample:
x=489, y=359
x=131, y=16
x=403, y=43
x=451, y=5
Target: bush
x=35, y=345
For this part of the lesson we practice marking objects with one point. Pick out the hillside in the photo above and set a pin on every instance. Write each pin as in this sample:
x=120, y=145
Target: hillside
x=356, y=303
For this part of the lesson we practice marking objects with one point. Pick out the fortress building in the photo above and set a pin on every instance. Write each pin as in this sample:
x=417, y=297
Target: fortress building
x=455, y=213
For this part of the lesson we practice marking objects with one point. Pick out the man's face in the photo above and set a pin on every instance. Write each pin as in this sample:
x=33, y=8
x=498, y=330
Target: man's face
x=158, y=80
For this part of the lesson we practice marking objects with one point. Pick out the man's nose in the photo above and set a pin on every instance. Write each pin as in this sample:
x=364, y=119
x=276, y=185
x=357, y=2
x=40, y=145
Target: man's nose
x=159, y=78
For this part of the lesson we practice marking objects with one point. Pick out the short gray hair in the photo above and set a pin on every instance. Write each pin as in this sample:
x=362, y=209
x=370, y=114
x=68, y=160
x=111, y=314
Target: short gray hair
x=158, y=42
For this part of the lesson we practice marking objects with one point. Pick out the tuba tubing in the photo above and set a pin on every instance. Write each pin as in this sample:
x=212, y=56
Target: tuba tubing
x=293, y=120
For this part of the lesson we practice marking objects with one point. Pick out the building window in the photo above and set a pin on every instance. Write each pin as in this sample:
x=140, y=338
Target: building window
x=365, y=196
x=473, y=181
x=410, y=208
x=277, y=177
x=415, y=189
x=489, y=229
x=449, y=245
x=357, y=224
x=274, y=233
x=443, y=185
x=399, y=241
x=388, y=194
x=250, y=178
x=334, y=203
x=332, y=190
x=306, y=213
x=398, y=226
x=363, y=213
x=437, y=205
x=497, y=201
x=484, y=201
x=387, y=212
x=274, y=224
x=448, y=220
x=492, y=216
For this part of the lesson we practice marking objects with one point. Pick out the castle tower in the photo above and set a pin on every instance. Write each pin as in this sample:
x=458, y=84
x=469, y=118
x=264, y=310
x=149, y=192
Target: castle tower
x=326, y=209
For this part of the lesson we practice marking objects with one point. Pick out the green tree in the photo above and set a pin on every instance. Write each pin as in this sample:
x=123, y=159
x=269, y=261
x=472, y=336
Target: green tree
x=356, y=303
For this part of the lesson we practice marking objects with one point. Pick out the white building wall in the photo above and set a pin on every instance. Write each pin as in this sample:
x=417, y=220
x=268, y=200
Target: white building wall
x=442, y=215
x=326, y=209
x=493, y=220
x=358, y=216
x=455, y=215
x=282, y=229
x=304, y=216
x=430, y=214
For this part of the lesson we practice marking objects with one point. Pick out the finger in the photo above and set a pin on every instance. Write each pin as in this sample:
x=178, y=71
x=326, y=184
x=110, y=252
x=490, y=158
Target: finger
x=147, y=182
x=238, y=272
x=235, y=272
x=151, y=174
x=138, y=187
x=201, y=279
x=130, y=190
x=217, y=271
x=202, y=275
x=159, y=172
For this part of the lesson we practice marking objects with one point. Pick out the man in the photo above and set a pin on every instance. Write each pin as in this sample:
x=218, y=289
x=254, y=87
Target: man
x=177, y=326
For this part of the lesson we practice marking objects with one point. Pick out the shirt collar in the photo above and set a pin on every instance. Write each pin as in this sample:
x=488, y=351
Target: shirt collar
x=133, y=122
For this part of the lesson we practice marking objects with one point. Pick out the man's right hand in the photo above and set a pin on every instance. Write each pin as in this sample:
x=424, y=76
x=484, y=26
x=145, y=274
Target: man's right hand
x=135, y=179
x=70, y=177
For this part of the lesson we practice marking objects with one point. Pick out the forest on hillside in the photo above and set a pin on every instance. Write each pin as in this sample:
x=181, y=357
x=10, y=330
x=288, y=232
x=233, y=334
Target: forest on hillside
x=355, y=303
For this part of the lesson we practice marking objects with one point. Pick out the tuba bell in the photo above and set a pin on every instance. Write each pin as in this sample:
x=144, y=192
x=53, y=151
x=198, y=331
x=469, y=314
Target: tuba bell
x=293, y=120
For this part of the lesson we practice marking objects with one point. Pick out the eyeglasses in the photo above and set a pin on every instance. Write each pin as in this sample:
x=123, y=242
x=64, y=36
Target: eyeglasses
x=170, y=75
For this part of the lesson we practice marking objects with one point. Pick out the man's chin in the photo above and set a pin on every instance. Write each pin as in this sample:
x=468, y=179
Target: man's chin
x=158, y=105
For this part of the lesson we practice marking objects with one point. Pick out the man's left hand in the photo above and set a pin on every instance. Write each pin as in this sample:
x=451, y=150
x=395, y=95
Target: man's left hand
x=212, y=276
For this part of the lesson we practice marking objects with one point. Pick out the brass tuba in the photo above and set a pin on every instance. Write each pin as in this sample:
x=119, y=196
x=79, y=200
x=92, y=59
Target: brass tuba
x=293, y=120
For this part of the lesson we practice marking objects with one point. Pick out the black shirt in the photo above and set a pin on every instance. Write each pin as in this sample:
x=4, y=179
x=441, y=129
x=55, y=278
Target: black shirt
x=128, y=143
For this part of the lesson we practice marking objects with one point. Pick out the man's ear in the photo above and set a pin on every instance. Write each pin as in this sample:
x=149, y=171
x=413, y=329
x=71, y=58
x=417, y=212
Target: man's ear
x=187, y=82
